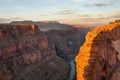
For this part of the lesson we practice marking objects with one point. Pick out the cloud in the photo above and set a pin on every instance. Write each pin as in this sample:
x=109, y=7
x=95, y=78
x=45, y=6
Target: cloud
x=84, y=15
x=107, y=15
x=113, y=0
x=64, y=12
x=97, y=5
x=43, y=15
x=101, y=18
x=114, y=15
x=58, y=13
x=3, y=20
x=103, y=4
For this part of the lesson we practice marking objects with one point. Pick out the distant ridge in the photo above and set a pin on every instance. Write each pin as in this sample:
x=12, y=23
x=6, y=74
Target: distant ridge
x=46, y=25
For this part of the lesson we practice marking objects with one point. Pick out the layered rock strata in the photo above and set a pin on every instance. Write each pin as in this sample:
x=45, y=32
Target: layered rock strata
x=27, y=54
x=98, y=58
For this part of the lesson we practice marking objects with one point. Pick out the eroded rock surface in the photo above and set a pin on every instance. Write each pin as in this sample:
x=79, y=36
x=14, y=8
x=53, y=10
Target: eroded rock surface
x=27, y=54
x=98, y=58
x=67, y=42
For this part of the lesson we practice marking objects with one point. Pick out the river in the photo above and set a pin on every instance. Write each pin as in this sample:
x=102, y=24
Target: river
x=72, y=72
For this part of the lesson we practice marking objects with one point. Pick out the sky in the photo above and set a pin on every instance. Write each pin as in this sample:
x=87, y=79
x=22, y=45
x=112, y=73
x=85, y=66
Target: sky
x=64, y=11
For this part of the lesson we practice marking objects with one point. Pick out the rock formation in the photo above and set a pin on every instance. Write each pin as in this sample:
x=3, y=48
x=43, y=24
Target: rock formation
x=28, y=54
x=67, y=42
x=46, y=25
x=99, y=57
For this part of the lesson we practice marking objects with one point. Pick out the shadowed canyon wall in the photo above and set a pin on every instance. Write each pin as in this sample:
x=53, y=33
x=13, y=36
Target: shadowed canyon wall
x=98, y=58
x=67, y=42
x=66, y=38
x=27, y=54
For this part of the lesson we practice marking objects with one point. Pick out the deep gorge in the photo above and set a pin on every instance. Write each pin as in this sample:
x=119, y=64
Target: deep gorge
x=67, y=44
x=27, y=53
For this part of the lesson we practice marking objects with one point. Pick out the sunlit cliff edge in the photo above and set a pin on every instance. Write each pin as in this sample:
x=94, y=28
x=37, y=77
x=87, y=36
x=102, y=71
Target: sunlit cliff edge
x=98, y=58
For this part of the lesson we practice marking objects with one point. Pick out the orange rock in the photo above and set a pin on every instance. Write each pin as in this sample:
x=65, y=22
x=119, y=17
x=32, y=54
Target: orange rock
x=97, y=57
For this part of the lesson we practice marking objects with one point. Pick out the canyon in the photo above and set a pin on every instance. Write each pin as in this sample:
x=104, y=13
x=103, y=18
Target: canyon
x=99, y=58
x=67, y=42
x=27, y=53
x=66, y=38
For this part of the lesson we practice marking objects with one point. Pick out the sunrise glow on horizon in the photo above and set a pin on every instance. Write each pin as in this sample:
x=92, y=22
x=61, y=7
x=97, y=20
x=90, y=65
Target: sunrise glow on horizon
x=65, y=11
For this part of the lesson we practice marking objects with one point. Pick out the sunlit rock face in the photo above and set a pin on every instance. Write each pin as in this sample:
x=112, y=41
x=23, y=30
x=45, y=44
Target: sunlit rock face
x=27, y=54
x=98, y=58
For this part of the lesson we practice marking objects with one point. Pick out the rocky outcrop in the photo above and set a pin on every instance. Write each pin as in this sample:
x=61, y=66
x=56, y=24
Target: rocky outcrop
x=27, y=54
x=98, y=58
x=46, y=25
x=67, y=42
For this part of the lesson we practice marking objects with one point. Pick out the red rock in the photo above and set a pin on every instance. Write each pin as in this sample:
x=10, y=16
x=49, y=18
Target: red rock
x=25, y=52
x=97, y=58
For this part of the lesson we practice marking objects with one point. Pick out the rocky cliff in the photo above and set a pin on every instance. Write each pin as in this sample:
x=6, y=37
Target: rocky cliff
x=27, y=54
x=99, y=57
x=67, y=42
